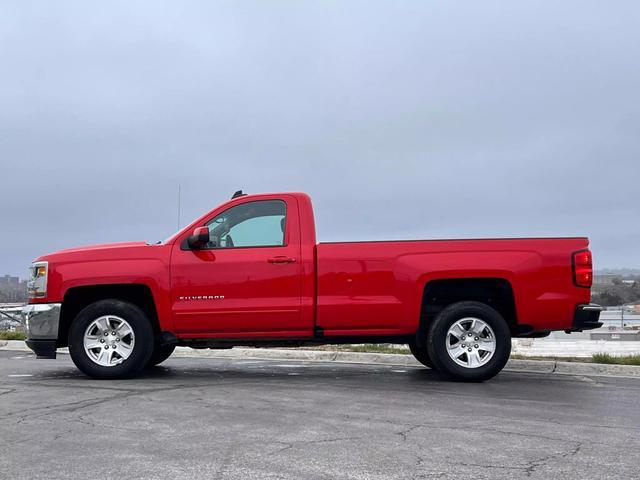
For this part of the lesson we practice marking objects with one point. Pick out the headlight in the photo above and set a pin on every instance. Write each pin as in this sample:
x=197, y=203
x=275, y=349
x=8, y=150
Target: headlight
x=38, y=274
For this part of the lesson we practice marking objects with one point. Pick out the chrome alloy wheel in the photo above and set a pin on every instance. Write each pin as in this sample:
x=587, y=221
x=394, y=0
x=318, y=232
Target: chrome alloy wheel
x=109, y=340
x=471, y=342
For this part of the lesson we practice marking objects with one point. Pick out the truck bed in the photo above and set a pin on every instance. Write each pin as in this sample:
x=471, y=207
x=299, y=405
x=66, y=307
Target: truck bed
x=377, y=287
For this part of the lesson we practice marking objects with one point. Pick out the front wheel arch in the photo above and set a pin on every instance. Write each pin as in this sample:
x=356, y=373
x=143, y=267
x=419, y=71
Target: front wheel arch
x=142, y=330
x=78, y=298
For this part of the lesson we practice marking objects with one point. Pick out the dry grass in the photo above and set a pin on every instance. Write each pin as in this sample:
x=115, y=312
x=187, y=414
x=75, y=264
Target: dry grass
x=613, y=360
x=8, y=335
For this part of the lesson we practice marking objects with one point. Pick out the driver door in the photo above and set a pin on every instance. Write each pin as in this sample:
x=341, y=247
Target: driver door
x=247, y=281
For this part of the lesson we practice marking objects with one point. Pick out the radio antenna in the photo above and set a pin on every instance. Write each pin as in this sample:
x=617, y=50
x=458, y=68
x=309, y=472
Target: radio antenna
x=179, y=206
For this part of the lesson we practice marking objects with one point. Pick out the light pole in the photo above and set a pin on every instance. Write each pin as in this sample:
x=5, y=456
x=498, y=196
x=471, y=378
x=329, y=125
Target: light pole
x=622, y=312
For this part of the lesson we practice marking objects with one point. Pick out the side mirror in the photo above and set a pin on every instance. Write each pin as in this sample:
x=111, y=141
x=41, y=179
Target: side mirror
x=199, y=238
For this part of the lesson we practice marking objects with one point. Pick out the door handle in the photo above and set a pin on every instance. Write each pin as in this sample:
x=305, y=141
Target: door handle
x=281, y=259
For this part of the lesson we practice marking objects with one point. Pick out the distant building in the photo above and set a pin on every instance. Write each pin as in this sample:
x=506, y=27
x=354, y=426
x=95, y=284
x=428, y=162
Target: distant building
x=604, y=278
x=12, y=289
x=10, y=281
x=610, y=278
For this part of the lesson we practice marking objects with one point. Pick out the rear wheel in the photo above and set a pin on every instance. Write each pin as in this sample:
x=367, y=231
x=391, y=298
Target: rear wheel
x=421, y=354
x=469, y=341
x=111, y=339
x=160, y=354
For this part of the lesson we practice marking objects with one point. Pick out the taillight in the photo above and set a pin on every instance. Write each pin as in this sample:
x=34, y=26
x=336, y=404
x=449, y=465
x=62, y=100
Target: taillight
x=583, y=268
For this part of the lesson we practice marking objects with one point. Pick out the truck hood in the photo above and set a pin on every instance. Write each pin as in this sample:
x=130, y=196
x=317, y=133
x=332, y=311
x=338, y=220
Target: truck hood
x=104, y=251
x=113, y=263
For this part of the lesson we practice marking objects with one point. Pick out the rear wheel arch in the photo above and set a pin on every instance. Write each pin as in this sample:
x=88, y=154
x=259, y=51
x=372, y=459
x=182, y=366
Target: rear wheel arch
x=77, y=299
x=438, y=294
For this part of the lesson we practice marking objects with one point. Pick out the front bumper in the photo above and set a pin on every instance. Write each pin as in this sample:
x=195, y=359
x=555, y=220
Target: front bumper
x=41, y=322
x=587, y=317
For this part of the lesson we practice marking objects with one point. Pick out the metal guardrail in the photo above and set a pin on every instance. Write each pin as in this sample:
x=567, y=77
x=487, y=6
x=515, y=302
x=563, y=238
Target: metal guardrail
x=10, y=315
x=623, y=313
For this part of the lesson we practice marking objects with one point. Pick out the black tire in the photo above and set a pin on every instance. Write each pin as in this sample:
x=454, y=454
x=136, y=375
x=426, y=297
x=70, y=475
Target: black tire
x=421, y=354
x=437, y=342
x=142, y=347
x=160, y=354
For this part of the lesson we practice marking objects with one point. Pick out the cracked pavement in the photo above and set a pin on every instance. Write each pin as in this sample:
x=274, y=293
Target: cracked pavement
x=222, y=418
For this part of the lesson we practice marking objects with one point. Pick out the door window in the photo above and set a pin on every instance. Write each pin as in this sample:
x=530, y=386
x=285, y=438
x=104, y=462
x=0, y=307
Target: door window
x=252, y=224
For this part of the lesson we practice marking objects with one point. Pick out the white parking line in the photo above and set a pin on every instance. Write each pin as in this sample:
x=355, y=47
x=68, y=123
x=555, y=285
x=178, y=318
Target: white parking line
x=21, y=375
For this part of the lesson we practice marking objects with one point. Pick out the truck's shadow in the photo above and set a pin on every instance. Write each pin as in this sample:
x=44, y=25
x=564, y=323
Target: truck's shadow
x=263, y=370
x=272, y=371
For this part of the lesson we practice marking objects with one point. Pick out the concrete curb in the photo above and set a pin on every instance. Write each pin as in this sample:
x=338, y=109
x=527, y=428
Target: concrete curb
x=603, y=369
x=14, y=345
x=535, y=366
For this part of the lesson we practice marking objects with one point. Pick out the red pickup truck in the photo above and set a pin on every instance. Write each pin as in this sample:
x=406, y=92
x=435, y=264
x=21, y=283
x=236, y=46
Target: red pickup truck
x=250, y=273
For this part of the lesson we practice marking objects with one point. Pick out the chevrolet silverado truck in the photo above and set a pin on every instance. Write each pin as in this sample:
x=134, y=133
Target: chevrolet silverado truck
x=250, y=273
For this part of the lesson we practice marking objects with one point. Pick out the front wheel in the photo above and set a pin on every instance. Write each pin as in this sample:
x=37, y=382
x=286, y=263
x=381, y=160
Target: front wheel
x=111, y=339
x=469, y=341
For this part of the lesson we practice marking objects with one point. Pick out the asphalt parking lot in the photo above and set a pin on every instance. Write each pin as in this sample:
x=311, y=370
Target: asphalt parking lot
x=221, y=418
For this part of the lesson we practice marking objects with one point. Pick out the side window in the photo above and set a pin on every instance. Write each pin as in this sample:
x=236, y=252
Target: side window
x=251, y=224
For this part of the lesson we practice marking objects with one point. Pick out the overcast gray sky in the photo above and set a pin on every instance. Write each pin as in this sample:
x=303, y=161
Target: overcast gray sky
x=402, y=119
